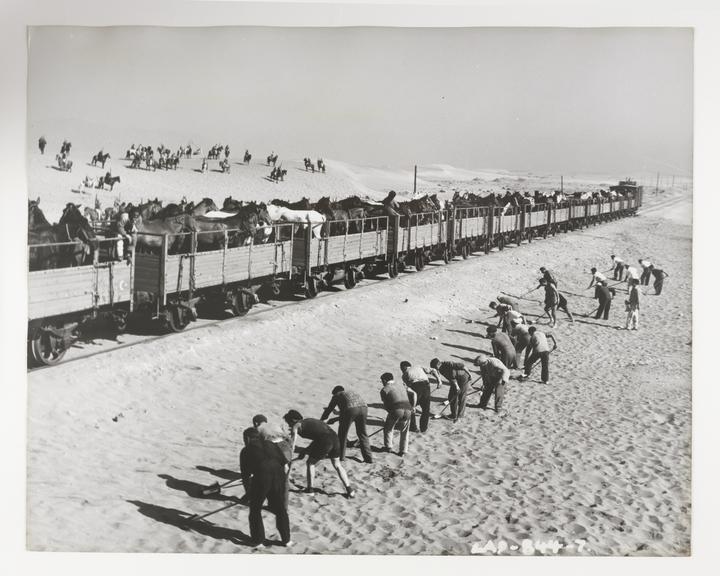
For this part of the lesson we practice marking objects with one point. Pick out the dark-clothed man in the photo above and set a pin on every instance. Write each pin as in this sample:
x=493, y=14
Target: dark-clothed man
x=495, y=376
x=399, y=401
x=41, y=144
x=539, y=350
x=324, y=444
x=618, y=267
x=392, y=208
x=552, y=299
x=264, y=468
x=604, y=298
x=548, y=275
x=502, y=346
x=352, y=409
x=632, y=305
x=659, y=274
x=417, y=379
x=459, y=380
x=646, y=271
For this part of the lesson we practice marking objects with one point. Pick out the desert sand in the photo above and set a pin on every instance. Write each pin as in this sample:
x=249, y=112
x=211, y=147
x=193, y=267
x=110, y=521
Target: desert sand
x=119, y=442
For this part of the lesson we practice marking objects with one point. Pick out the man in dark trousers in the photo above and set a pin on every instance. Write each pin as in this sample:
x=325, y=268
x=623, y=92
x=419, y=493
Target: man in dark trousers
x=548, y=276
x=264, y=468
x=539, y=350
x=417, y=379
x=618, y=267
x=604, y=298
x=324, y=444
x=659, y=274
x=41, y=144
x=352, y=409
x=502, y=346
x=399, y=401
x=495, y=377
x=459, y=379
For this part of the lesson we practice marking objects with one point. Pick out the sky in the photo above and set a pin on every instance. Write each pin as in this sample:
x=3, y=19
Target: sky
x=531, y=99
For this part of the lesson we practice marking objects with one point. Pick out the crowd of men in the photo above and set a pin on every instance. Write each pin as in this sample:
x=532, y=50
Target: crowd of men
x=516, y=344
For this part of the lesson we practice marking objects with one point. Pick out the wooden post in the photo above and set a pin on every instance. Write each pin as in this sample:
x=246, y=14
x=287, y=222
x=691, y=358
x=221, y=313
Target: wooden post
x=657, y=183
x=415, y=181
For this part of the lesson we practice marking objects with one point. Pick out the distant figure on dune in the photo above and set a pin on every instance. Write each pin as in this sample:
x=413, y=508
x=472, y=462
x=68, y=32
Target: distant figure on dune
x=204, y=167
x=247, y=157
x=227, y=151
x=41, y=144
x=321, y=165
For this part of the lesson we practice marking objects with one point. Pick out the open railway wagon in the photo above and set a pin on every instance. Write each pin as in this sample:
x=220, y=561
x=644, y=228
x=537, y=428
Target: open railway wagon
x=170, y=283
x=470, y=227
x=339, y=250
x=418, y=239
x=62, y=300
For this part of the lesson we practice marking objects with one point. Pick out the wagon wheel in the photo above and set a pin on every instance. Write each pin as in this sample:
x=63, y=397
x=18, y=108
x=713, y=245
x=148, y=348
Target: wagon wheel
x=400, y=267
x=242, y=302
x=392, y=269
x=46, y=349
x=545, y=231
x=120, y=319
x=464, y=251
x=446, y=256
x=370, y=271
x=554, y=230
x=176, y=318
x=311, y=287
x=501, y=243
x=487, y=246
x=275, y=289
x=419, y=261
x=350, y=278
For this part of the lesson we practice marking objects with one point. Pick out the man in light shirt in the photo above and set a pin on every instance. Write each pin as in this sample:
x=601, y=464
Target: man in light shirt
x=632, y=274
x=597, y=277
x=495, y=377
x=633, y=307
x=618, y=267
x=646, y=271
x=417, y=378
x=539, y=350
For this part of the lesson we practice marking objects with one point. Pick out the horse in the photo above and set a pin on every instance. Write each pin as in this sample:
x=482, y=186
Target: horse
x=232, y=205
x=151, y=163
x=272, y=159
x=203, y=207
x=309, y=164
x=247, y=157
x=250, y=225
x=340, y=216
x=313, y=218
x=303, y=204
x=100, y=157
x=225, y=166
x=108, y=180
x=150, y=232
x=321, y=165
x=63, y=163
x=147, y=210
x=72, y=227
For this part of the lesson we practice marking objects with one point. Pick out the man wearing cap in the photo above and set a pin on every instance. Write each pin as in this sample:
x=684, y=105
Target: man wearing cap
x=324, y=444
x=352, y=409
x=399, y=401
x=263, y=468
x=417, y=379
x=539, y=350
x=459, y=379
x=495, y=375
x=502, y=347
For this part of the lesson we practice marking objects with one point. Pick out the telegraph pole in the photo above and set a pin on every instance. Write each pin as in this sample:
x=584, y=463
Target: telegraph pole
x=657, y=183
x=561, y=184
x=415, y=181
